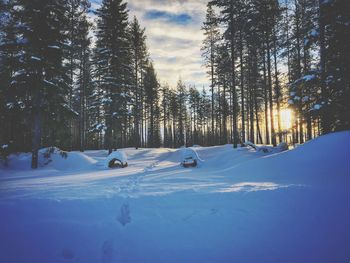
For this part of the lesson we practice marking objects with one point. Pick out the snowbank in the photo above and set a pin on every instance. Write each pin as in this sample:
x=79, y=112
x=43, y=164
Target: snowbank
x=324, y=160
x=267, y=149
x=50, y=158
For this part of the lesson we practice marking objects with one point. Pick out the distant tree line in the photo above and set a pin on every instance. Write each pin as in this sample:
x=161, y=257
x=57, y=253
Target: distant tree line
x=79, y=83
x=265, y=55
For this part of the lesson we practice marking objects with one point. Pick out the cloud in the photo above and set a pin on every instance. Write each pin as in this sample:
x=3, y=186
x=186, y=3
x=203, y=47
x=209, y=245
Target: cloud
x=174, y=37
x=174, y=44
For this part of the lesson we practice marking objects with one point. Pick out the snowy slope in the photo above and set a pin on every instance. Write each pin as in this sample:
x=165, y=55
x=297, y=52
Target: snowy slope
x=237, y=206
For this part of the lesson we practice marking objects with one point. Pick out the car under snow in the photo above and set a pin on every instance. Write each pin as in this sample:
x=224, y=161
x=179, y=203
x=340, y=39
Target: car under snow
x=189, y=157
x=116, y=159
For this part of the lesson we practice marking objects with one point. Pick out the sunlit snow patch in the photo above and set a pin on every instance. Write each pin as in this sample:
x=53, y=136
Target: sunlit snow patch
x=251, y=187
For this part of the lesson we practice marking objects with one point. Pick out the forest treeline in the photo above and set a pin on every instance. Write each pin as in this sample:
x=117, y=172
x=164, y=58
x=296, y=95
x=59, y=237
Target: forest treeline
x=266, y=55
x=78, y=78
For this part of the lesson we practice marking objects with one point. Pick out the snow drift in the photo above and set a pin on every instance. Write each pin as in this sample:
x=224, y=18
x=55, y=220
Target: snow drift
x=50, y=158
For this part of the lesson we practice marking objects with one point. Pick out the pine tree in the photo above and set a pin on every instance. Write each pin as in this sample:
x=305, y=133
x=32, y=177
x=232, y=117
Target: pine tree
x=194, y=98
x=8, y=110
x=39, y=78
x=77, y=44
x=223, y=80
x=84, y=87
x=210, y=46
x=113, y=58
x=181, y=94
x=139, y=59
x=229, y=19
x=335, y=80
x=165, y=104
x=152, y=101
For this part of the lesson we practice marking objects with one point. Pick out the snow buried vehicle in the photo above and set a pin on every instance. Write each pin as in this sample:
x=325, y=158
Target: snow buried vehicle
x=189, y=157
x=116, y=159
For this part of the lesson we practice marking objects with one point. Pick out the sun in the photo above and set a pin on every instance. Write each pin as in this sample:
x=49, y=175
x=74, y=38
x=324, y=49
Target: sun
x=286, y=119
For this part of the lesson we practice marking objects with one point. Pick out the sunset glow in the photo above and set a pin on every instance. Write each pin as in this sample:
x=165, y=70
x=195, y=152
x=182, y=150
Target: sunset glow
x=286, y=119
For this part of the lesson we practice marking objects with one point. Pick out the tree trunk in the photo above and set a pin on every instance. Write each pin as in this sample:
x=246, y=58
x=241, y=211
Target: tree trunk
x=298, y=48
x=212, y=93
x=277, y=88
x=325, y=121
x=36, y=133
x=267, y=132
x=242, y=87
x=233, y=72
x=272, y=123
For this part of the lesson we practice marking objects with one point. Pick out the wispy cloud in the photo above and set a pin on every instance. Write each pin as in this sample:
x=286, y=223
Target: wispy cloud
x=173, y=29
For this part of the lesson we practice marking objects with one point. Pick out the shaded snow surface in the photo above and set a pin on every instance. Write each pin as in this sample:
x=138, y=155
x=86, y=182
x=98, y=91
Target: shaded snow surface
x=238, y=206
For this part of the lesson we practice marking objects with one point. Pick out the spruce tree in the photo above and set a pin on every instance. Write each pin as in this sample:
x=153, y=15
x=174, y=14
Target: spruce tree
x=152, y=101
x=39, y=78
x=139, y=56
x=210, y=46
x=113, y=58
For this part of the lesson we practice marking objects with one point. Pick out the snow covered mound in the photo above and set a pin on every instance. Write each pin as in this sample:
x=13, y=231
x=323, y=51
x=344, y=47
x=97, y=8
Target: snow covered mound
x=332, y=146
x=189, y=157
x=267, y=149
x=323, y=160
x=116, y=158
x=50, y=158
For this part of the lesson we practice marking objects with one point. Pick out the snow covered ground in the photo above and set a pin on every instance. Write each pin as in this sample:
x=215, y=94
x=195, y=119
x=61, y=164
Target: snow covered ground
x=236, y=206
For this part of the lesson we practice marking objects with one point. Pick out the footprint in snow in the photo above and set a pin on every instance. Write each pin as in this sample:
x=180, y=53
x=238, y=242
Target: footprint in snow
x=124, y=215
x=214, y=211
x=107, y=251
x=67, y=253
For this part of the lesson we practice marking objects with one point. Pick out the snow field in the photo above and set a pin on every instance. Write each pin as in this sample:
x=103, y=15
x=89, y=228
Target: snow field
x=238, y=206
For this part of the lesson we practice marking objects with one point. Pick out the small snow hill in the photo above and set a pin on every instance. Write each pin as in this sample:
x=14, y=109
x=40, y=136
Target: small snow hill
x=50, y=158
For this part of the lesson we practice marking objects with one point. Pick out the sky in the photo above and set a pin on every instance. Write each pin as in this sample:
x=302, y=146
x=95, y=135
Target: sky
x=174, y=37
